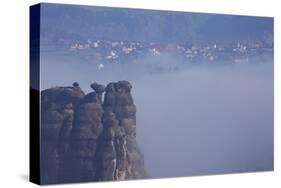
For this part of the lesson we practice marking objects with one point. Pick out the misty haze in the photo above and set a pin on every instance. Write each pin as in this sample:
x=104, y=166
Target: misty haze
x=202, y=120
x=207, y=121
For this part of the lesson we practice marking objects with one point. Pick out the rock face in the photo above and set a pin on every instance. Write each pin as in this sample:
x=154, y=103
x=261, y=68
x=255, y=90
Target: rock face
x=119, y=157
x=86, y=129
x=57, y=114
x=84, y=138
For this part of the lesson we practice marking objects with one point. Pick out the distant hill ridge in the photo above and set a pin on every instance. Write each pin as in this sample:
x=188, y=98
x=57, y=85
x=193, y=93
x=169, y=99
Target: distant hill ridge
x=83, y=22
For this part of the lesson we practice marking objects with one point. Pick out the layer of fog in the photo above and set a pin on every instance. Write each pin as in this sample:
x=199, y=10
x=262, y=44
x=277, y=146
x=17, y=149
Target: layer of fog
x=206, y=120
x=193, y=121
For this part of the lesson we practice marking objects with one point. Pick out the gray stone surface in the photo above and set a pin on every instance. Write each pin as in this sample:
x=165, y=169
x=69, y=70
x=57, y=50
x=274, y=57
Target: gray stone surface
x=86, y=138
x=57, y=114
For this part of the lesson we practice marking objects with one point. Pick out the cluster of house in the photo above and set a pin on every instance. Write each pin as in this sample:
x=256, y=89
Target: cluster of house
x=118, y=51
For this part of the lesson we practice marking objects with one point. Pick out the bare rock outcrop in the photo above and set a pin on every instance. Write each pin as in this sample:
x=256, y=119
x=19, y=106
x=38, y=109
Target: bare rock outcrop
x=119, y=157
x=88, y=138
x=87, y=127
x=57, y=114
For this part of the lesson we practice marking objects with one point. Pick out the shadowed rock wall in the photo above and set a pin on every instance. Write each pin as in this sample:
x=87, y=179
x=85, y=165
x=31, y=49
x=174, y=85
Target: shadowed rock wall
x=84, y=138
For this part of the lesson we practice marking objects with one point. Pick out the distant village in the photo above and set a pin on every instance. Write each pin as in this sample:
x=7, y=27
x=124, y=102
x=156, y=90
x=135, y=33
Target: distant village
x=109, y=51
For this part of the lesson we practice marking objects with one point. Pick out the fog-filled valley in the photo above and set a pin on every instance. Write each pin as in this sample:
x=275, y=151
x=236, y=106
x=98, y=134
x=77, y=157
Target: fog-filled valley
x=206, y=121
x=203, y=119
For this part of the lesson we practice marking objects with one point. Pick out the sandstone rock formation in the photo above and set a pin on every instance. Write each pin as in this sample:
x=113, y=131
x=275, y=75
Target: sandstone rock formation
x=86, y=138
x=86, y=129
x=119, y=157
x=57, y=113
